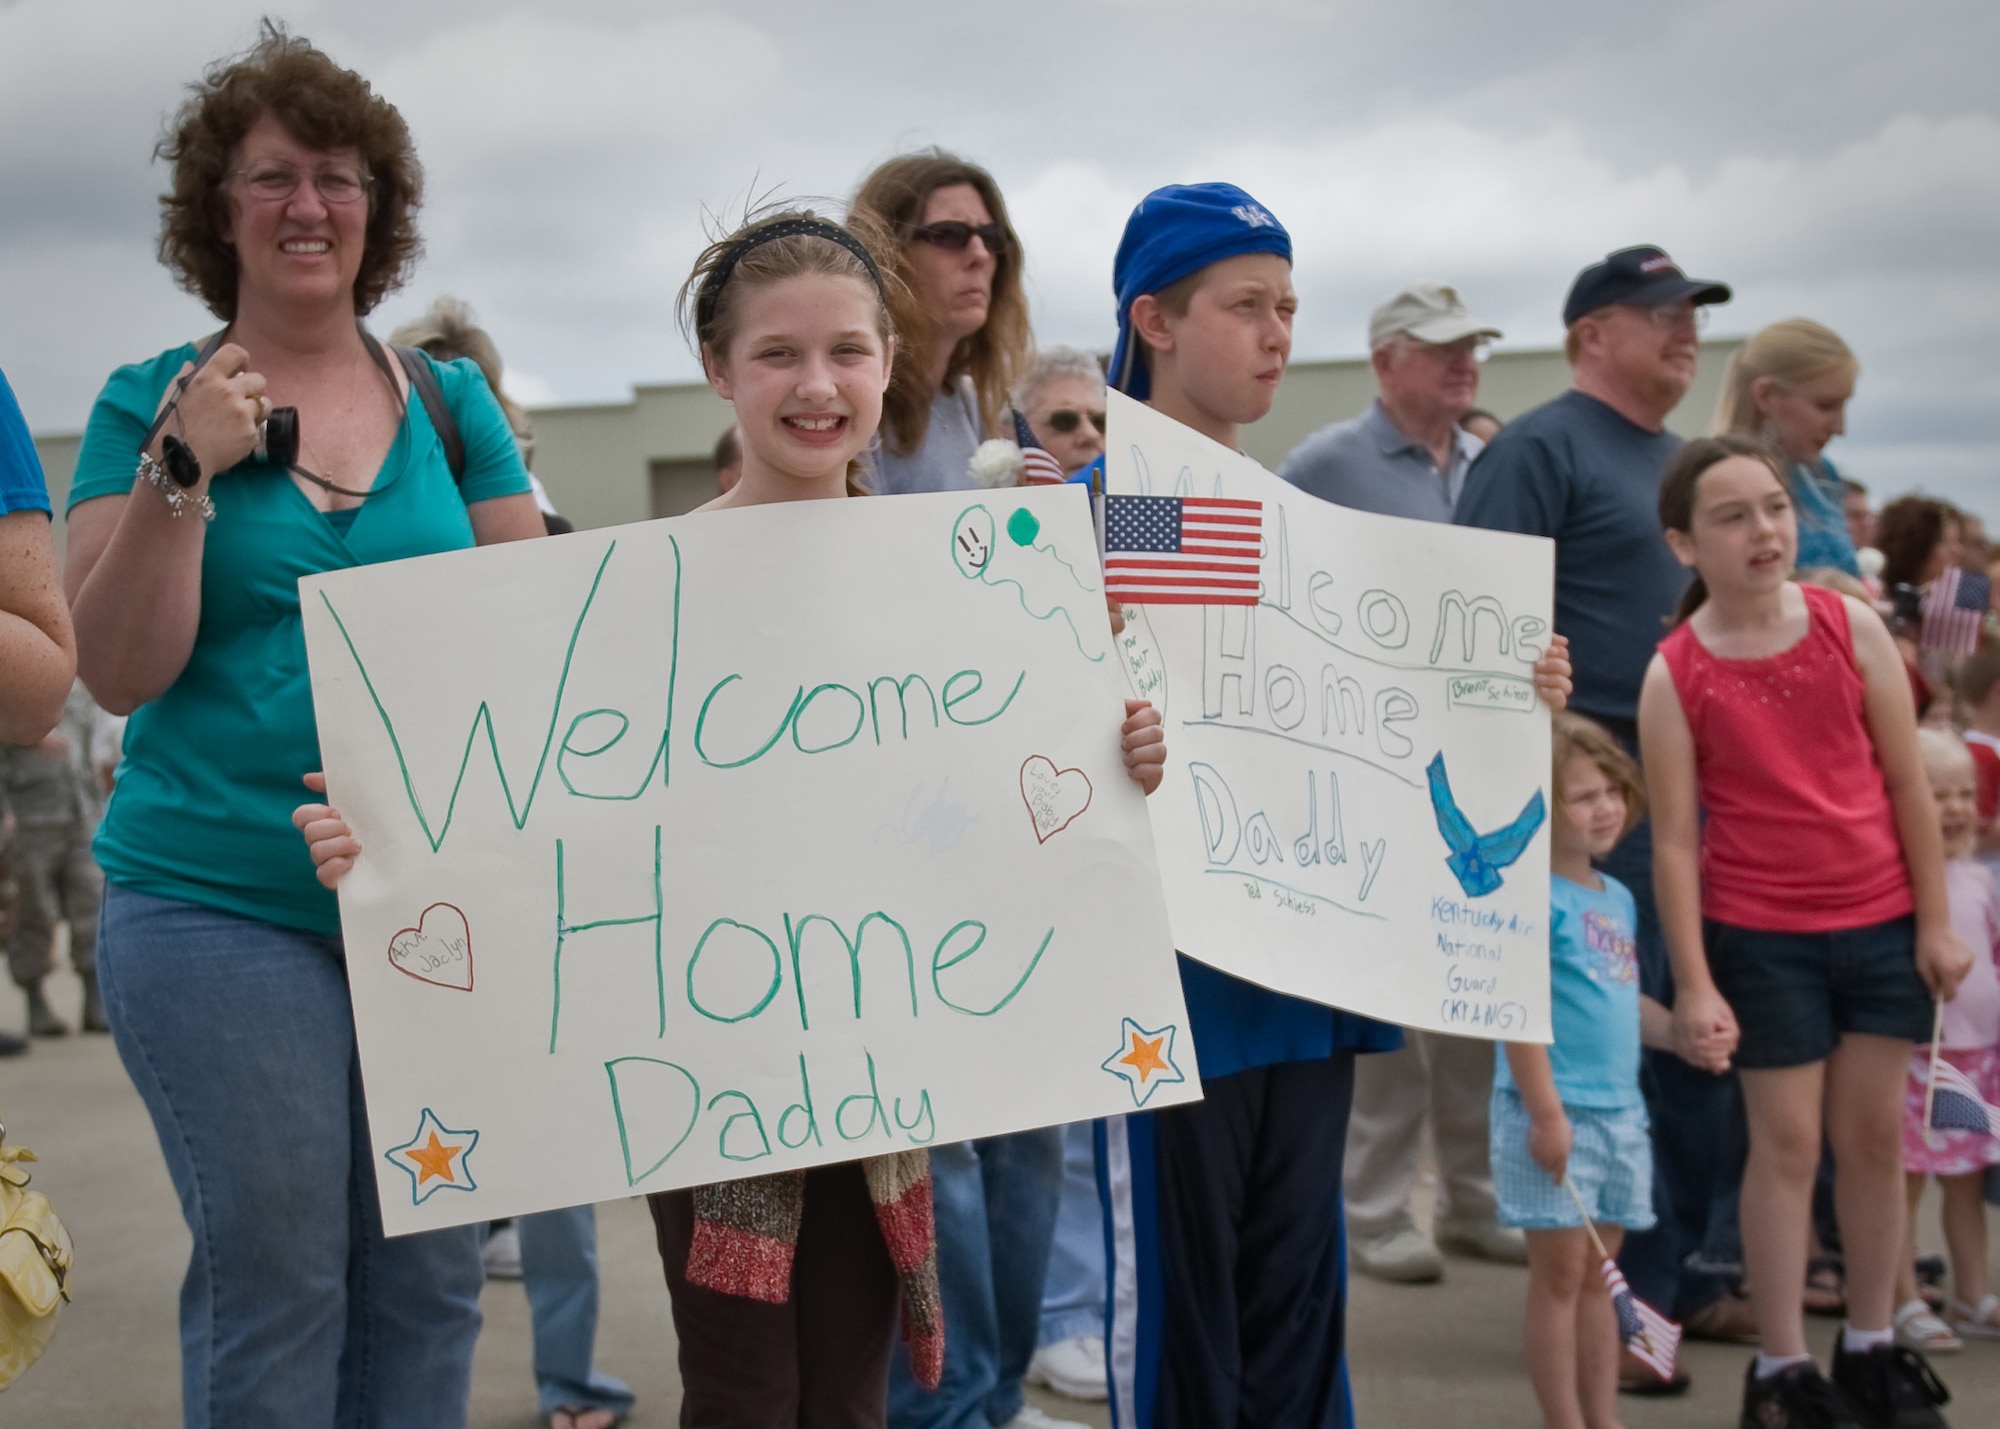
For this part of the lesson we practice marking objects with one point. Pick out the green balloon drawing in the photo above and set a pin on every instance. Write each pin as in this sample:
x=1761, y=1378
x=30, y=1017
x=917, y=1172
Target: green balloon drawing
x=1022, y=527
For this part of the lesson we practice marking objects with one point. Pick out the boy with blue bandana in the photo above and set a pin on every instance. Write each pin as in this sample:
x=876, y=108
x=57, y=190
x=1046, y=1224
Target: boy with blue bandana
x=1228, y=1283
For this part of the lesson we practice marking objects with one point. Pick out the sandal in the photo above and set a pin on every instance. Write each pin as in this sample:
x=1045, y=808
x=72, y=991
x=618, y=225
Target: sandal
x=1918, y=1328
x=1978, y=1322
x=585, y=1416
x=1826, y=1287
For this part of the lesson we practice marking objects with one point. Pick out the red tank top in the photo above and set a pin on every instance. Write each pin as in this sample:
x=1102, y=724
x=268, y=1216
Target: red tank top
x=1799, y=834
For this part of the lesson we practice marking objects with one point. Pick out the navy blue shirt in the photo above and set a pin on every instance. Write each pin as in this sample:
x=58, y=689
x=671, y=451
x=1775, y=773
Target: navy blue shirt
x=21, y=484
x=1575, y=470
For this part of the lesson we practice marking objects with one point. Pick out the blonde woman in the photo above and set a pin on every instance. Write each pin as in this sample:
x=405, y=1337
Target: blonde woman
x=1788, y=386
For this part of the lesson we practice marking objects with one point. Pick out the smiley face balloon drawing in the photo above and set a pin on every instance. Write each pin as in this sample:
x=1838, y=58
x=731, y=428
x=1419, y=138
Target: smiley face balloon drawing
x=1047, y=586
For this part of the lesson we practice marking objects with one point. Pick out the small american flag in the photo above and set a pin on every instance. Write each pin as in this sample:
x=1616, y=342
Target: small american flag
x=1183, y=550
x=1038, y=467
x=1954, y=610
x=1650, y=1336
x=1957, y=1106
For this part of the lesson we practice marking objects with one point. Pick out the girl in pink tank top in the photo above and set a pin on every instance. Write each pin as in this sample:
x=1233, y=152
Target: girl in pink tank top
x=1800, y=882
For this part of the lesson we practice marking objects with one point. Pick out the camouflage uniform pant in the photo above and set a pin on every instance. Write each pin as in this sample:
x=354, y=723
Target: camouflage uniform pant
x=59, y=882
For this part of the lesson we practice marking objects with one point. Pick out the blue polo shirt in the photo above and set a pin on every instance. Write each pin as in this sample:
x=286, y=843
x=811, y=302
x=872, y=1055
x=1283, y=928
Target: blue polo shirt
x=21, y=484
x=1371, y=464
x=1575, y=470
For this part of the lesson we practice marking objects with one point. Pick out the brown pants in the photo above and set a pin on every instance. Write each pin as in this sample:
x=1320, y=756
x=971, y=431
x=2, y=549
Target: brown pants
x=818, y=1361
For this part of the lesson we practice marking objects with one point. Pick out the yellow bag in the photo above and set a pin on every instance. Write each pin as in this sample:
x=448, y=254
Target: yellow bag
x=35, y=1255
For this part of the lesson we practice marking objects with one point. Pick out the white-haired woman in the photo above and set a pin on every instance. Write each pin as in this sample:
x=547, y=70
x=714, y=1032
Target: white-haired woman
x=1062, y=398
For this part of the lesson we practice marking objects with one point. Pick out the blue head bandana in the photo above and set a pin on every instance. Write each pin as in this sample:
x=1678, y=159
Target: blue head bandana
x=1176, y=231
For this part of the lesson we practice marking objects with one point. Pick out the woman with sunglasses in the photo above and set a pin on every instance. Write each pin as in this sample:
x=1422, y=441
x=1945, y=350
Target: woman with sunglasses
x=291, y=213
x=962, y=312
x=1062, y=398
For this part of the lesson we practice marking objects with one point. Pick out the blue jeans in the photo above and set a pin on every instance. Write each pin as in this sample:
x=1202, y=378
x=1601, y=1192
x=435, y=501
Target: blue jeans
x=1700, y=1140
x=996, y=1214
x=296, y=1311
x=559, y=1270
x=1073, y=1297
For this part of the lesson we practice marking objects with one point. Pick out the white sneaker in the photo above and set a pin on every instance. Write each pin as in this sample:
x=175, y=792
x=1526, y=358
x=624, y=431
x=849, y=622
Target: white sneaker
x=1487, y=1239
x=1404, y=1255
x=1073, y=1368
x=502, y=1253
x=1033, y=1418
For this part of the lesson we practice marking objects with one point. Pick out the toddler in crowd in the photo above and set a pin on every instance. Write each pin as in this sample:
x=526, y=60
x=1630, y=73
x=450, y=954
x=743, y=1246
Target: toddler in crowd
x=1573, y=1110
x=1970, y=1041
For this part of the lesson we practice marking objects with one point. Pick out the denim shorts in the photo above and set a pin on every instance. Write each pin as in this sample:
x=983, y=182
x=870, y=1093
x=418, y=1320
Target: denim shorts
x=1795, y=994
x=1610, y=1164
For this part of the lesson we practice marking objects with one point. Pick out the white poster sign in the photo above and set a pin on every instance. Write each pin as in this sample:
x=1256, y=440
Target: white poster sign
x=1355, y=808
x=735, y=843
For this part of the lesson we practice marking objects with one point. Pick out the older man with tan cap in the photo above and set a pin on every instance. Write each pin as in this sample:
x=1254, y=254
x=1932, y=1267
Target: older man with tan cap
x=1406, y=455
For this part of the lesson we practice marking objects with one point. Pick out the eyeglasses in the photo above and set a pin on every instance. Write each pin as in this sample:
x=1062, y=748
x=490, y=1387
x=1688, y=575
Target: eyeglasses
x=1068, y=419
x=1673, y=315
x=955, y=236
x=274, y=183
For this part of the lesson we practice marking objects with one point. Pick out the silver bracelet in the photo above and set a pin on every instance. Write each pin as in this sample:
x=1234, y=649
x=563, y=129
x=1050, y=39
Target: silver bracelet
x=180, y=500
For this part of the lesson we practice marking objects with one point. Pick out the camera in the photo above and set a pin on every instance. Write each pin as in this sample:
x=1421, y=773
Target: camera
x=1906, y=606
x=278, y=437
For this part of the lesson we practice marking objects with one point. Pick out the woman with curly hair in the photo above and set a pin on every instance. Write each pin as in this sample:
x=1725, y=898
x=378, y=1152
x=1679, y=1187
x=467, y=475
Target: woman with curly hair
x=291, y=214
x=961, y=310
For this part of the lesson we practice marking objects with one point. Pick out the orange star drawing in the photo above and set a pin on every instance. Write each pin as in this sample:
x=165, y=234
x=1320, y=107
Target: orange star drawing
x=435, y=1160
x=1144, y=1058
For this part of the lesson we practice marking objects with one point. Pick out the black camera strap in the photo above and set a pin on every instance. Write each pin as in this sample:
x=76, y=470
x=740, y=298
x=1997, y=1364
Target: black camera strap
x=416, y=366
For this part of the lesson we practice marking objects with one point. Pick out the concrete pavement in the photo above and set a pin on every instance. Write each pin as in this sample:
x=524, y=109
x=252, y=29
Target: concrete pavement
x=1421, y=1355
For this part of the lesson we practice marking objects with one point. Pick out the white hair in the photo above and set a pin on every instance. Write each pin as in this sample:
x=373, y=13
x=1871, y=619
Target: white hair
x=1053, y=362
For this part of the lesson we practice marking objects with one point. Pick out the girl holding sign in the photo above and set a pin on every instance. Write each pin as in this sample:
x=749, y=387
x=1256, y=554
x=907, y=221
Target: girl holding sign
x=1805, y=913
x=785, y=1287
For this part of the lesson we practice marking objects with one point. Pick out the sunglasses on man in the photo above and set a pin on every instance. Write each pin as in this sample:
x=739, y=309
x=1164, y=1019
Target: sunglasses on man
x=954, y=236
x=1068, y=419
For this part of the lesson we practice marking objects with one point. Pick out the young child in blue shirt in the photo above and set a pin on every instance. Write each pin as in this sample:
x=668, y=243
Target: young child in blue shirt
x=1573, y=1110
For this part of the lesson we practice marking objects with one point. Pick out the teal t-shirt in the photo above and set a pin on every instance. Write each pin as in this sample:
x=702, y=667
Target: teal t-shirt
x=202, y=811
x=1594, y=996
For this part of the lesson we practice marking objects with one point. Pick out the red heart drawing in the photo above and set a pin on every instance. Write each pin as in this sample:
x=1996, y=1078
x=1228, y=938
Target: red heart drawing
x=1055, y=797
x=438, y=950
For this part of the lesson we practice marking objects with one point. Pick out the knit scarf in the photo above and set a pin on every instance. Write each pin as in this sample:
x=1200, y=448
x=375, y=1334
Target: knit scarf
x=745, y=1234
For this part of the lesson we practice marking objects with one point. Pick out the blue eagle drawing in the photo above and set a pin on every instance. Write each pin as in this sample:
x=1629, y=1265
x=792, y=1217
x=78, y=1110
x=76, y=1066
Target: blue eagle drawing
x=1476, y=859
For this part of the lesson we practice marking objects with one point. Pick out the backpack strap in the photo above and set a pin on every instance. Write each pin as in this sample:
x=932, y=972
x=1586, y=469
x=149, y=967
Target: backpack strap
x=424, y=382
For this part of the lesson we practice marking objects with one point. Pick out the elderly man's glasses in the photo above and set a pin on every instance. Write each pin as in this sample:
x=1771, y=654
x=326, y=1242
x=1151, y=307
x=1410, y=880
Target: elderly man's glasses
x=955, y=236
x=1674, y=315
x=1068, y=419
x=274, y=183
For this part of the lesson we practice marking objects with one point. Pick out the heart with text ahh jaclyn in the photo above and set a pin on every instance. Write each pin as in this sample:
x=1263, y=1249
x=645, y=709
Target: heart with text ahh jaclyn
x=1055, y=797
x=438, y=950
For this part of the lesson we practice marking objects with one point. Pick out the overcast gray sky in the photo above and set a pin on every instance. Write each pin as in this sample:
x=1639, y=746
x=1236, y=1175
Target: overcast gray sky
x=1835, y=159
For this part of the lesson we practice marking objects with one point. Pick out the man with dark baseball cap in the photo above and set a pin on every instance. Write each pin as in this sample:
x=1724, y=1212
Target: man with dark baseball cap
x=1642, y=277
x=1585, y=469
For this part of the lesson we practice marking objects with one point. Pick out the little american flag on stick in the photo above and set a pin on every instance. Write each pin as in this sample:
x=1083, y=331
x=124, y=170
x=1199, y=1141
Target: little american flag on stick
x=1038, y=467
x=1954, y=611
x=1183, y=550
x=1651, y=1337
x=1956, y=1104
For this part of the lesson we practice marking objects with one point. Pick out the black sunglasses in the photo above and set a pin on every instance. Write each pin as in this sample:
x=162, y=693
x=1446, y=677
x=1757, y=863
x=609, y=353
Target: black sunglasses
x=1068, y=419
x=955, y=236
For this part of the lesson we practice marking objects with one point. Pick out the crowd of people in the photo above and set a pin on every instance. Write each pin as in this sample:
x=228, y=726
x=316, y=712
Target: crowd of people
x=1773, y=906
